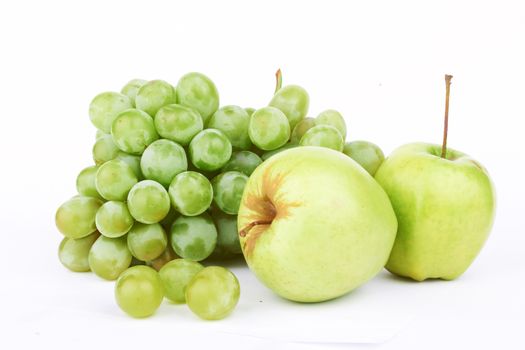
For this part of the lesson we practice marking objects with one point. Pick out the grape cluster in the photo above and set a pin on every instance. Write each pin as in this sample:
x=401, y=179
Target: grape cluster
x=163, y=195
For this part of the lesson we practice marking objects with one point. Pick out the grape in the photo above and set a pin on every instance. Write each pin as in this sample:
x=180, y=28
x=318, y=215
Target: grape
x=154, y=95
x=104, y=149
x=210, y=150
x=293, y=101
x=227, y=235
x=100, y=134
x=233, y=121
x=115, y=179
x=193, y=237
x=176, y=275
x=269, y=129
x=148, y=202
x=191, y=193
x=267, y=155
x=133, y=161
x=105, y=107
x=109, y=257
x=133, y=131
x=197, y=91
x=178, y=123
x=227, y=191
x=213, y=293
x=249, y=110
x=166, y=256
x=243, y=161
x=139, y=291
x=86, y=182
x=131, y=89
x=76, y=217
x=323, y=136
x=302, y=127
x=162, y=160
x=367, y=154
x=147, y=242
x=113, y=219
x=333, y=118
x=73, y=253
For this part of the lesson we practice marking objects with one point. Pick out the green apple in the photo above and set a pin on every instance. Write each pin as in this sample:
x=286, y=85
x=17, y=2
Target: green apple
x=445, y=209
x=314, y=225
x=445, y=203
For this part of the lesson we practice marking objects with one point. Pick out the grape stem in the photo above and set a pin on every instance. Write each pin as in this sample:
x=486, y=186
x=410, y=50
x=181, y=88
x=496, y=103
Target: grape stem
x=251, y=225
x=278, y=80
x=448, y=79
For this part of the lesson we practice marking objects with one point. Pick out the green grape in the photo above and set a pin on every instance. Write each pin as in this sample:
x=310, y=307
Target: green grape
x=227, y=235
x=133, y=161
x=154, y=95
x=301, y=127
x=147, y=241
x=76, y=217
x=191, y=193
x=133, y=131
x=176, y=275
x=113, y=219
x=333, y=118
x=197, y=91
x=227, y=191
x=86, y=182
x=169, y=218
x=166, y=256
x=367, y=154
x=162, y=160
x=293, y=101
x=193, y=237
x=109, y=257
x=105, y=107
x=213, y=293
x=267, y=155
x=269, y=129
x=210, y=150
x=139, y=291
x=233, y=121
x=323, y=136
x=243, y=161
x=115, y=179
x=100, y=134
x=104, y=150
x=178, y=123
x=73, y=253
x=148, y=202
x=249, y=110
x=131, y=89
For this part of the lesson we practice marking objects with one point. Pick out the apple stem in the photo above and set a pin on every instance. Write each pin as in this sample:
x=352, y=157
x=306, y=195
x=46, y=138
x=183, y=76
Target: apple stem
x=448, y=78
x=278, y=80
x=251, y=225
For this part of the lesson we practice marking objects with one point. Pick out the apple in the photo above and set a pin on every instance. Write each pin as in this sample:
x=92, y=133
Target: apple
x=314, y=225
x=445, y=204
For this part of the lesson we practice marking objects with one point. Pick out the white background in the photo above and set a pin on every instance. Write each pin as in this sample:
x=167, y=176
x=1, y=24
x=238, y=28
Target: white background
x=380, y=63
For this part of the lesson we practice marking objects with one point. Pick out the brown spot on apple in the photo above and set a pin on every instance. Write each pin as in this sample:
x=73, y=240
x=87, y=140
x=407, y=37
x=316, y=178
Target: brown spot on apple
x=266, y=204
x=255, y=233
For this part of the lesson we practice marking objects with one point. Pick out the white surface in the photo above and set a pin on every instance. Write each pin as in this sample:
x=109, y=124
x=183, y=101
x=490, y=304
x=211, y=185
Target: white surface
x=380, y=63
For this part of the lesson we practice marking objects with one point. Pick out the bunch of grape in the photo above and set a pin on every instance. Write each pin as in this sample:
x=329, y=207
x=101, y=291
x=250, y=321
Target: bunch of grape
x=170, y=169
